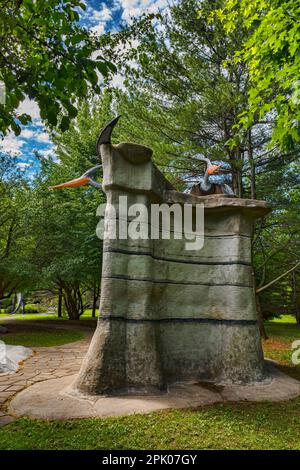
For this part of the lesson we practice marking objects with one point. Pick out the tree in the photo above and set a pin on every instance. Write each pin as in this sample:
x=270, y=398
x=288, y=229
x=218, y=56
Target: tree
x=67, y=252
x=277, y=241
x=47, y=56
x=184, y=88
x=272, y=54
x=16, y=241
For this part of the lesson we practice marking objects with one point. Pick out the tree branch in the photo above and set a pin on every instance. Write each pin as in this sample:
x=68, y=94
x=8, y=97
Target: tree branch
x=258, y=291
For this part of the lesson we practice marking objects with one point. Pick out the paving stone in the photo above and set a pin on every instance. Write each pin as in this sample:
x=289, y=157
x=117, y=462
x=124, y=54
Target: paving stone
x=46, y=364
x=5, y=394
x=6, y=419
x=3, y=380
x=15, y=388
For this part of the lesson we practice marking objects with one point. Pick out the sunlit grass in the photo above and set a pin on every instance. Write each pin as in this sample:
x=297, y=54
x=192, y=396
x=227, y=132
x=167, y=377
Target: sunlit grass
x=46, y=316
x=284, y=319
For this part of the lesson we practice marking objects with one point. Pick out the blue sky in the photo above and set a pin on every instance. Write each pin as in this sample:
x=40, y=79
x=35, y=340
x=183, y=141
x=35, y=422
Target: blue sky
x=100, y=16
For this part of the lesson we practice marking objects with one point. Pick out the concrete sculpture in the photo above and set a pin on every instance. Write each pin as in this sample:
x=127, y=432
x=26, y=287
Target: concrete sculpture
x=205, y=187
x=168, y=314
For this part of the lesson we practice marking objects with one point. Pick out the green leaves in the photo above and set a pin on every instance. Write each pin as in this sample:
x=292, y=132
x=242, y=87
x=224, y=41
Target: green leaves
x=16, y=128
x=272, y=53
x=24, y=118
x=65, y=124
x=46, y=56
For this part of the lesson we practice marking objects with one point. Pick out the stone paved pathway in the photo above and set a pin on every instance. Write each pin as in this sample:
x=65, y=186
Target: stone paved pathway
x=45, y=364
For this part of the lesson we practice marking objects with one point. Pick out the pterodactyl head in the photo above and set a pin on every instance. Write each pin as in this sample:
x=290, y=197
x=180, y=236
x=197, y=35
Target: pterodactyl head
x=86, y=178
x=210, y=168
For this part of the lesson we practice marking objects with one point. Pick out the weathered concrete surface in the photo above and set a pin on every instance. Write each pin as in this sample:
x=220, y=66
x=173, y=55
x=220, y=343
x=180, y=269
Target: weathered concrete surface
x=55, y=399
x=168, y=314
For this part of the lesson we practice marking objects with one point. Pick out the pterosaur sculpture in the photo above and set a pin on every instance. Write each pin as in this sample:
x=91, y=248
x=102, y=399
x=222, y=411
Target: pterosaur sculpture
x=168, y=314
x=86, y=178
x=206, y=187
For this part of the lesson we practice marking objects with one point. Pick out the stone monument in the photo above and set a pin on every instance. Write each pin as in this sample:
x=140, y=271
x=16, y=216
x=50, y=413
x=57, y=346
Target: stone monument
x=168, y=314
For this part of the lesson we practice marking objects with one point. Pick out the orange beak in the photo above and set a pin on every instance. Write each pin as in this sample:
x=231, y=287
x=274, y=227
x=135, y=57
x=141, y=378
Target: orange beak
x=213, y=169
x=81, y=181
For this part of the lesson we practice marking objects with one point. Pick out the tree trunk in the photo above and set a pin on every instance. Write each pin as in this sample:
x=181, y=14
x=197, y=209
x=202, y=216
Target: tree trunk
x=298, y=316
x=96, y=291
x=236, y=172
x=73, y=301
x=59, y=304
x=260, y=319
x=252, y=166
x=261, y=325
x=94, y=306
x=296, y=299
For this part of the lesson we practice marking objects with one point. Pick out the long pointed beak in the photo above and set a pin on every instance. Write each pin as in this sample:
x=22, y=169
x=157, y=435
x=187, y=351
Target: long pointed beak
x=212, y=169
x=81, y=181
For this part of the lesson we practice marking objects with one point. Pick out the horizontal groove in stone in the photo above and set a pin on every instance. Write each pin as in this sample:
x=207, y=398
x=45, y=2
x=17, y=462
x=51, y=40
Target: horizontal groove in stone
x=184, y=261
x=214, y=321
x=159, y=281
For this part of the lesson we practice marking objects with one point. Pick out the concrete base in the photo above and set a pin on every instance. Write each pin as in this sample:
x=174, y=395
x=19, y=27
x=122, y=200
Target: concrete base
x=55, y=399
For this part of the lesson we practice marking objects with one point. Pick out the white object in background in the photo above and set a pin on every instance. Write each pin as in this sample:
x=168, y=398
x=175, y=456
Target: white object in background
x=11, y=356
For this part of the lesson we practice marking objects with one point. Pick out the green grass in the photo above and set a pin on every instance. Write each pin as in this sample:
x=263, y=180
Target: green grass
x=284, y=319
x=29, y=316
x=42, y=338
x=222, y=426
x=284, y=332
x=87, y=315
x=278, y=347
x=230, y=426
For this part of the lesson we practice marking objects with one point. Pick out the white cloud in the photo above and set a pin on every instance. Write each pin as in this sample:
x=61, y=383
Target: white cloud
x=134, y=8
x=118, y=81
x=47, y=153
x=42, y=137
x=29, y=107
x=98, y=29
x=11, y=144
x=97, y=19
x=27, y=133
x=23, y=165
x=103, y=15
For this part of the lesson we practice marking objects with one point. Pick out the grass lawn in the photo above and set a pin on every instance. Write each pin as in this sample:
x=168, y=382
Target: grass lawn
x=29, y=316
x=278, y=347
x=42, y=338
x=87, y=314
x=222, y=426
x=284, y=319
x=230, y=426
